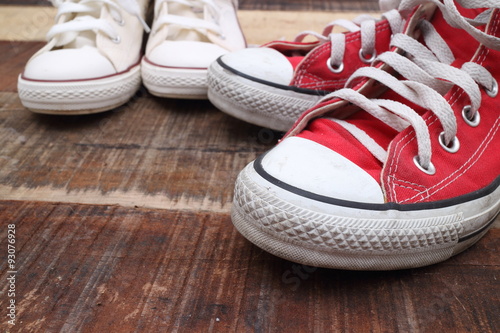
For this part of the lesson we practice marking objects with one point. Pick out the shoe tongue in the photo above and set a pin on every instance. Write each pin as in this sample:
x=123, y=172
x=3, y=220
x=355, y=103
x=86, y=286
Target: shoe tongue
x=457, y=38
x=295, y=52
x=334, y=136
x=85, y=38
x=88, y=37
x=183, y=33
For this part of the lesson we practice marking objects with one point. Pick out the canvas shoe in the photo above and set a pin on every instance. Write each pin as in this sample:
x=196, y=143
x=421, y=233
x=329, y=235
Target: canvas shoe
x=272, y=85
x=91, y=62
x=187, y=35
x=393, y=173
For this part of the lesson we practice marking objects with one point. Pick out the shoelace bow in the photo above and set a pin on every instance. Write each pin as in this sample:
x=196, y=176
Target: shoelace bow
x=85, y=19
x=197, y=6
x=429, y=76
x=363, y=23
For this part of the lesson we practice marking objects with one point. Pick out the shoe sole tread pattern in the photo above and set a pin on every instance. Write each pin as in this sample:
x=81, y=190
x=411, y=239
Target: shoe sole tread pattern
x=79, y=97
x=318, y=239
x=255, y=102
x=175, y=82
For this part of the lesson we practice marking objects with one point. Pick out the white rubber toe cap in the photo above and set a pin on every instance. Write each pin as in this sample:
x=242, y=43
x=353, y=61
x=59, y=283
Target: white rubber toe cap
x=185, y=54
x=69, y=64
x=261, y=63
x=312, y=167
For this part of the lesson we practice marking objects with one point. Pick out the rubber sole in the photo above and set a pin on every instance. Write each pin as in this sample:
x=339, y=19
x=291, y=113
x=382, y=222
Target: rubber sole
x=174, y=82
x=79, y=97
x=320, y=234
x=255, y=102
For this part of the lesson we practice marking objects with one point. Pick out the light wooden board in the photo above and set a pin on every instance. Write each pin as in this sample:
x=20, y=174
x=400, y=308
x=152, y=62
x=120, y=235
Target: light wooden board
x=31, y=23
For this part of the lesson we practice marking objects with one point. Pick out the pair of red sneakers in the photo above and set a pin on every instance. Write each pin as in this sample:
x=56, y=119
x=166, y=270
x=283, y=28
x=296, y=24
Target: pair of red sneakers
x=400, y=168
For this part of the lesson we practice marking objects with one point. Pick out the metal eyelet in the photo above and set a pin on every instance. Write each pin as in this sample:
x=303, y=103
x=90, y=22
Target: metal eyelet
x=431, y=170
x=120, y=22
x=453, y=147
x=493, y=92
x=366, y=60
x=471, y=121
x=116, y=39
x=337, y=69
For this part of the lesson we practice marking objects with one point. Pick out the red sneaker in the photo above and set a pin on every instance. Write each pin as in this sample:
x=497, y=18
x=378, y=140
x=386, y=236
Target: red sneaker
x=272, y=85
x=394, y=173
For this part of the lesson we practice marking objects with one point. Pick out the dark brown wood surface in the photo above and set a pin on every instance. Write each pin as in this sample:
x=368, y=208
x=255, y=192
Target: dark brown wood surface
x=124, y=269
x=122, y=225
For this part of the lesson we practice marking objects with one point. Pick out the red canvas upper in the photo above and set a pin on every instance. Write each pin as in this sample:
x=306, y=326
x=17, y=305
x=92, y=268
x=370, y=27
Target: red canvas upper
x=309, y=59
x=312, y=72
x=475, y=165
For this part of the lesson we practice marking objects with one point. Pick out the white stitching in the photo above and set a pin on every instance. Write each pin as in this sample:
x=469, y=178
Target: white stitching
x=455, y=97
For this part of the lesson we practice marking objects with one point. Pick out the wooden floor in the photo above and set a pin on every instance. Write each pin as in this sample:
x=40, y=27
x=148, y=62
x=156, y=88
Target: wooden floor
x=122, y=222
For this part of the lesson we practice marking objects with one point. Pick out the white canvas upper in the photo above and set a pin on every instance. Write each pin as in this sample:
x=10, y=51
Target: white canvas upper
x=186, y=36
x=71, y=54
x=169, y=53
x=69, y=64
x=312, y=167
x=273, y=66
x=91, y=62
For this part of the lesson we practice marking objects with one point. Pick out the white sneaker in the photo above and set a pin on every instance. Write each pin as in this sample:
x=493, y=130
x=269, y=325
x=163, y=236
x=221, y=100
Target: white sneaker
x=187, y=36
x=91, y=62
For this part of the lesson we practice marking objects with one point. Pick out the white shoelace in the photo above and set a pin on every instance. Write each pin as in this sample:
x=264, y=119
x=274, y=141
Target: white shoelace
x=429, y=76
x=86, y=18
x=198, y=7
x=363, y=23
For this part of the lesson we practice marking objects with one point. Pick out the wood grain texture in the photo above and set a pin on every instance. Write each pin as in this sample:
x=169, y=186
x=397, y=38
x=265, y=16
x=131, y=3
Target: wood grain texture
x=26, y=2
x=118, y=269
x=175, y=151
x=13, y=57
x=313, y=5
x=96, y=254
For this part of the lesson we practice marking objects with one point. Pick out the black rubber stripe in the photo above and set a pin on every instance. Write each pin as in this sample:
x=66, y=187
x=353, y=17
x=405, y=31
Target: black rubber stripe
x=272, y=84
x=477, y=232
x=376, y=207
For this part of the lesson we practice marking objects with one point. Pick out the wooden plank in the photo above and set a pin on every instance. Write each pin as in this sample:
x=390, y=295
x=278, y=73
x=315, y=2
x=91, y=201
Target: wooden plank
x=314, y=5
x=32, y=23
x=13, y=57
x=262, y=26
x=149, y=151
x=19, y=23
x=26, y=2
x=119, y=269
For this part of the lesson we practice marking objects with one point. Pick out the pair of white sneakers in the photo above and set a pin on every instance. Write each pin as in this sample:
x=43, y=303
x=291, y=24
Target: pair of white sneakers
x=93, y=60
